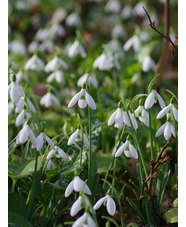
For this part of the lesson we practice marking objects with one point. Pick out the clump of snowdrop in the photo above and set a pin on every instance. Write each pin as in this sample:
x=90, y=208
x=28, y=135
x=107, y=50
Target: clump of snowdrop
x=90, y=80
x=57, y=75
x=17, y=47
x=76, y=49
x=142, y=114
x=48, y=99
x=73, y=20
x=84, y=220
x=58, y=152
x=128, y=149
x=104, y=62
x=77, y=136
x=108, y=202
x=166, y=129
x=148, y=64
x=55, y=64
x=134, y=42
x=83, y=99
x=34, y=63
x=152, y=98
x=168, y=109
x=78, y=205
x=112, y=6
x=15, y=90
x=77, y=184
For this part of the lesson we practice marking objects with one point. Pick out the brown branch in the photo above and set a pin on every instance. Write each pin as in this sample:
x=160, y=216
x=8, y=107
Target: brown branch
x=153, y=26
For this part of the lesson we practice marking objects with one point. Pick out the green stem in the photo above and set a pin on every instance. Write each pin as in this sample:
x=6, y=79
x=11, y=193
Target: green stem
x=90, y=150
x=150, y=134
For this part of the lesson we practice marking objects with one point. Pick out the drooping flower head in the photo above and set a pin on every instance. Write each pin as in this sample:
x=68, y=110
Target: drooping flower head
x=34, y=63
x=77, y=136
x=48, y=99
x=142, y=114
x=152, y=98
x=84, y=221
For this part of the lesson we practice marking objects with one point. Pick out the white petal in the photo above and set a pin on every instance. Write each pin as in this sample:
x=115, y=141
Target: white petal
x=112, y=118
x=39, y=142
x=51, y=77
x=59, y=76
x=80, y=221
x=19, y=106
x=163, y=112
x=14, y=93
x=173, y=130
x=31, y=105
x=69, y=189
x=73, y=137
x=32, y=136
x=78, y=184
x=145, y=116
x=167, y=131
x=82, y=103
x=50, y=165
x=121, y=149
x=90, y=101
x=24, y=134
x=119, y=118
x=111, y=206
x=149, y=100
x=85, y=139
x=160, y=100
x=50, y=154
x=133, y=151
x=99, y=203
x=20, y=118
x=76, y=207
x=87, y=190
x=75, y=99
x=90, y=221
x=138, y=110
x=49, y=141
x=175, y=112
x=127, y=153
x=126, y=119
x=62, y=153
x=160, y=130
x=134, y=122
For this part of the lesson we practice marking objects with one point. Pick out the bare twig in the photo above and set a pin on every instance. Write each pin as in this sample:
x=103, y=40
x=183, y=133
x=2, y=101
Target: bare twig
x=153, y=26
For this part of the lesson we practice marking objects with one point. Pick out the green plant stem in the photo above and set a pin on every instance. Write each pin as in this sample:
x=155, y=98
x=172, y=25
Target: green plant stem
x=150, y=135
x=90, y=177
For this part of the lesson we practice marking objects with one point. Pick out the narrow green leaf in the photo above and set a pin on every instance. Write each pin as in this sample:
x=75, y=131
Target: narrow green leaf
x=111, y=220
x=152, y=82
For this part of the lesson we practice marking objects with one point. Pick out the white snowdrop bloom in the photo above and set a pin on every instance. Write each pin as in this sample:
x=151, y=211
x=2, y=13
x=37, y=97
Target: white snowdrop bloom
x=144, y=36
x=152, y=98
x=126, y=12
x=133, y=120
x=167, y=109
x=108, y=202
x=39, y=141
x=132, y=42
x=48, y=99
x=47, y=45
x=128, y=149
x=50, y=165
x=58, y=75
x=17, y=47
x=117, y=117
x=77, y=136
x=55, y=64
x=91, y=80
x=138, y=9
x=26, y=133
x=112, y=6
x=76, y=49
x=167, y=129
x=84, y=221
x=118, y=31
x=77, y=185
x=104, y=62
x=34, y=63
x=78, y=205
x=18, y=76
x=58, y=152
x=21, y=5
x=15, y=90
x=148, y=64
x=114, y=149
x=10, y=108
x=73, y=20
x=57, y=30
x=142, y=115
x=33, y=46
x=22, y=117
x=83, y=99
x=20, y=104
x=42, y=34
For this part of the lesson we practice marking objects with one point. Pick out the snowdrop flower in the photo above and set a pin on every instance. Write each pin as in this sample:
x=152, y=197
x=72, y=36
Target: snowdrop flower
x=26, y=133
x=148, y=64
x=114, y=149
x=166, y=110
x=58, y=152
x=39, y=142
x=33, y=46
x=77, y=136
x=113, y=6
x=55, y=64
x=15, y=90
x=20, y=104
x=144, y=36
x=142, y=115
x=132, y=119
x=91, y=81
x=126, y=12
x=58, y=75
x=76, y=49
x=132, y=42
x=104, y=62
x=47, y=45
x=57, y=30
x=17, y=47
x=117, y=117
x=48, y=99
x=83, y=99
x=128, y=149
x=42, y=34
x=34, y=63
x=118, y=31
x=50, y=165
x=167, y=129
x=22, y=117
x=77, y=185
x=10, y=108
x=152, y=98
x=138, y=9
x=78, y=205
x=73, y=20
x=84, y=220
x=107, y=201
